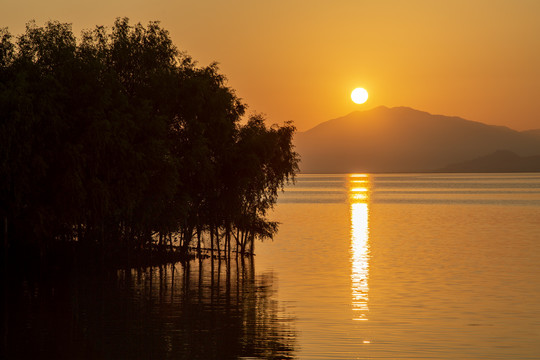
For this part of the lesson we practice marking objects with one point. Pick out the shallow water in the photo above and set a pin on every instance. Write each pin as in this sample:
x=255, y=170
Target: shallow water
x=433, y=266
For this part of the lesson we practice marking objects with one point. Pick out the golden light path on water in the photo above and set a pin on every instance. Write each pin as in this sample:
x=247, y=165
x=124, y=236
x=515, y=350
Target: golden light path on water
x=358, y=198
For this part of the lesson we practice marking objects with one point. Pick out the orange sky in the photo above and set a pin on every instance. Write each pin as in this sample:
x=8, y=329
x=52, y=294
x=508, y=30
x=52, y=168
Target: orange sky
x=299, y=60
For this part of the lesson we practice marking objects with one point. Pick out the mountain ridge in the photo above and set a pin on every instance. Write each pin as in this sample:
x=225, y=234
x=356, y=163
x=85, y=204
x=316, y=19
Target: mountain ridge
x=501, y=161
x=402, y=139
x=533, y=133
x=409, y=109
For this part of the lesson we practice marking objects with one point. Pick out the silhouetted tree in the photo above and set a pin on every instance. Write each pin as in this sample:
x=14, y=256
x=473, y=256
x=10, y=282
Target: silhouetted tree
x=118, y=141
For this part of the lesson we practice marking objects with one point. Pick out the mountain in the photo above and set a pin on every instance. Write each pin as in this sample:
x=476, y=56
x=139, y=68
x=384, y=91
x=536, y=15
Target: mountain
x=533, y=133
x=499, y=161
x=402, y=139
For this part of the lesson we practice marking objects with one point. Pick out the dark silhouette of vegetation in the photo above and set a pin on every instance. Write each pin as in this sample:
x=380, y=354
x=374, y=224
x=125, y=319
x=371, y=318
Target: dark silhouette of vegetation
x=117, y=145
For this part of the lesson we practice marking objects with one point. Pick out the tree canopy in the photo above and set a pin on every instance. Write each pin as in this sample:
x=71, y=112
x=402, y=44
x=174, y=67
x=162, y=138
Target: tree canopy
x=118, y=141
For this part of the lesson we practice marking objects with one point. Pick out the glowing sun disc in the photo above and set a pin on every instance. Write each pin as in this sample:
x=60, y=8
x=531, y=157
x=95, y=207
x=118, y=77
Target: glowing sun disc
x=359, y=95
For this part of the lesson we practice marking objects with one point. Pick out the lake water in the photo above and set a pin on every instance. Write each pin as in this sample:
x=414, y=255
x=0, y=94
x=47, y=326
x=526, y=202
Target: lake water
x=431, y=266
x=413, y=266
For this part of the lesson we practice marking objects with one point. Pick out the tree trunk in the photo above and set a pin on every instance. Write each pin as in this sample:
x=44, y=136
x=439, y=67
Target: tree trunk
x=252, y=244
x=218, y=243
x=228, y=240
x=199, y=242
x=212, y=242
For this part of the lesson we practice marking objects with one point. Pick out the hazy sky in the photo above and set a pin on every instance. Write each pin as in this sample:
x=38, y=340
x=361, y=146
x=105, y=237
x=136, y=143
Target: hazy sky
x=299, y=60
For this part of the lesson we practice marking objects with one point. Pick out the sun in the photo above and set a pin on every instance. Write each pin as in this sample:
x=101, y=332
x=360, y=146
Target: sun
x=359, y=95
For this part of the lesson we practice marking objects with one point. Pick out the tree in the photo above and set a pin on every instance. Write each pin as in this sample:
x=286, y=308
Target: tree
x=265, y=163
x=116, y=141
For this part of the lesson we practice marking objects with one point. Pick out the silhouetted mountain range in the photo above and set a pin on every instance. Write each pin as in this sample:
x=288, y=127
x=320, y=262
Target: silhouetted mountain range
x=533, y=133
x=499, y=161
x=402, y=139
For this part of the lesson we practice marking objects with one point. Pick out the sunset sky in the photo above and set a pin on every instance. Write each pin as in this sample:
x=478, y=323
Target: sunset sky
x=299, y=60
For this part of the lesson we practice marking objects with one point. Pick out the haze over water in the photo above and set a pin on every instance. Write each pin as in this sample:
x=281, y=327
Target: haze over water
x=433, y=266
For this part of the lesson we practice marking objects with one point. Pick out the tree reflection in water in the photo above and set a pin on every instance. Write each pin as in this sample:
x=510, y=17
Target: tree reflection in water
x=200, y=310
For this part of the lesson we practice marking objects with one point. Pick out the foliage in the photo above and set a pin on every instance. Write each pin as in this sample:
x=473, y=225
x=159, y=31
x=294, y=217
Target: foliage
x=119, y=139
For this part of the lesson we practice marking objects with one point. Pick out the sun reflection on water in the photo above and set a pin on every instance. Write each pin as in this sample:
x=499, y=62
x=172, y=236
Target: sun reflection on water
x=358, y=198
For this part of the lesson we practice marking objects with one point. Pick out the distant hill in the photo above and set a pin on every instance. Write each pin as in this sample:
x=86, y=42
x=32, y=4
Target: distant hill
x=499, y=161
x=402, y=139
x=533, y=133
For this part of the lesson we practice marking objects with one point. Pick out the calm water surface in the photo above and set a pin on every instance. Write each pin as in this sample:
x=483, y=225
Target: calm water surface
x=423, y=266
x=433, y=266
